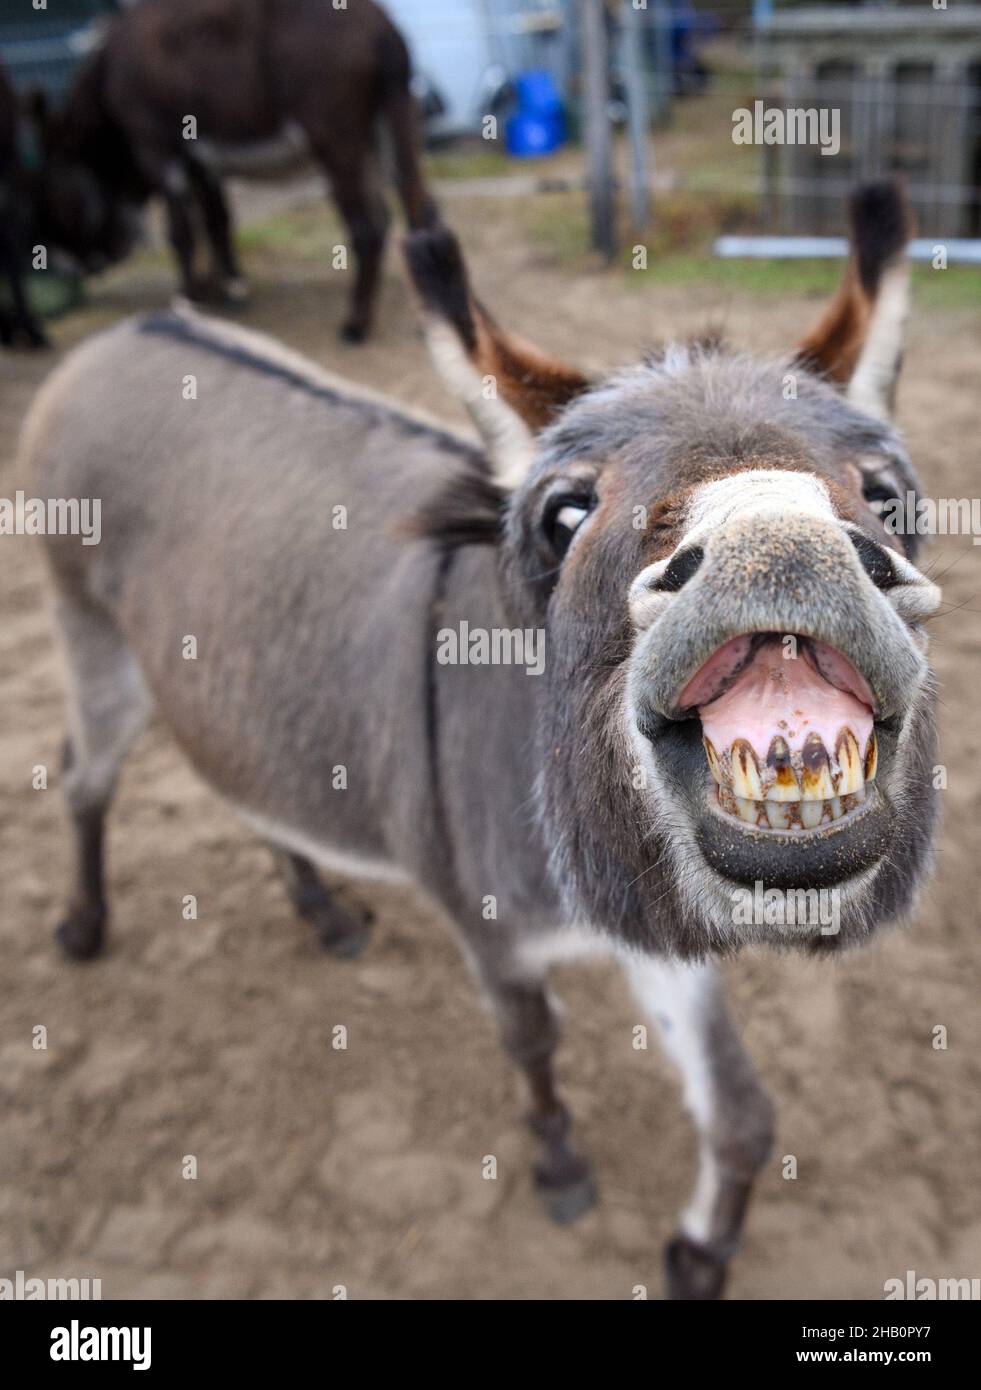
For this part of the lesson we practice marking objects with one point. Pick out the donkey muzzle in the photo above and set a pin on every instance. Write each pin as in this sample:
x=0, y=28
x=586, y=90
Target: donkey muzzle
x=772, y=683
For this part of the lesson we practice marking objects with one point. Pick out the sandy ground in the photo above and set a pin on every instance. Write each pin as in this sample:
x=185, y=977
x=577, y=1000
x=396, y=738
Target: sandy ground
x=362, y=1168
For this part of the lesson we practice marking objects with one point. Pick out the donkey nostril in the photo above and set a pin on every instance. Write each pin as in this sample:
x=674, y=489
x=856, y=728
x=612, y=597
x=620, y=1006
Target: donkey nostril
x=680, y=569
x=875, y=560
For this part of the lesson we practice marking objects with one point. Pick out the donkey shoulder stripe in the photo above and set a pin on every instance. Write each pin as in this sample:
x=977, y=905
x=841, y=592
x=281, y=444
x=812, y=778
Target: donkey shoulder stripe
x=255, y=352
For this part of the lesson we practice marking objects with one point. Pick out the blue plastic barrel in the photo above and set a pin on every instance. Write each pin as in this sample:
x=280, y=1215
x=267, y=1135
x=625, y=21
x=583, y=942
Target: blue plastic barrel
x=538, y=124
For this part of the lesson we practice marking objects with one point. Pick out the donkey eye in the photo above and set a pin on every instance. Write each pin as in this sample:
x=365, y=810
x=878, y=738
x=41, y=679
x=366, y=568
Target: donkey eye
x=878, y=494
x=563, y=519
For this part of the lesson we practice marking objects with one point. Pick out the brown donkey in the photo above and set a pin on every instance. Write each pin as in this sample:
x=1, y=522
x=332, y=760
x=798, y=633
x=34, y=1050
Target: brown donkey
x=17, y=228
x=177, y=83
x=644, y=674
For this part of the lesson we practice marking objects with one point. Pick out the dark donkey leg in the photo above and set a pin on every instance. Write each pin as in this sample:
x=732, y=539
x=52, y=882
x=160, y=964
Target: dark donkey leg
x=218, y=225
x=529, y=1029
x=22, y=318
x=81, y=933
x=366, y=217
x=169, y=174
x=339, y=933
x=108, y=707
x=733, y=1116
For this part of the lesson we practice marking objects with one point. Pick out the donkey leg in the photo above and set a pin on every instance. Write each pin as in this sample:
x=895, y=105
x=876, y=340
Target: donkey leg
x=172, y=177
x=108, y=708
x=529, y=1028
x=732, y=1113
x=366, y=216
x=338, y=931
x=218, y=225
x=24, y=317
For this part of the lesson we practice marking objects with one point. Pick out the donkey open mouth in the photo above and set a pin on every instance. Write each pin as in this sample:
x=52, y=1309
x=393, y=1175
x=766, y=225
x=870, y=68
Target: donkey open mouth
x=789, y=735
x=788, y=747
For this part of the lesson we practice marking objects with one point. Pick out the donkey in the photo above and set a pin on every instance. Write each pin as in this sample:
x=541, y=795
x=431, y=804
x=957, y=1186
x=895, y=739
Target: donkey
x=177, y=84
x=19, y=323
x=735, y=691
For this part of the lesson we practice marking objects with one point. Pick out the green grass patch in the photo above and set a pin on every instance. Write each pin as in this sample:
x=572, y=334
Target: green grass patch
x=955, y=288
x=679, y=251
x=478, y=160
x=307, y=234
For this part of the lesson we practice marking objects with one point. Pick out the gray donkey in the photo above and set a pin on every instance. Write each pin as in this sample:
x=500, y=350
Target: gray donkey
x=642, y=674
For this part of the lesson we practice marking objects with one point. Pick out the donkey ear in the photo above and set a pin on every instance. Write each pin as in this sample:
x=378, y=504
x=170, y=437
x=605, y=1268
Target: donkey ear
x=859, y=340
x=510, y=388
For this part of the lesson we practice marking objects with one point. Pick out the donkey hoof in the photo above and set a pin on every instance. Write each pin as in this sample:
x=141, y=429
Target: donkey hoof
x=198, y=291
x=693, y=1271
x=567, y=1203
x=81, y=935
x=353, y=332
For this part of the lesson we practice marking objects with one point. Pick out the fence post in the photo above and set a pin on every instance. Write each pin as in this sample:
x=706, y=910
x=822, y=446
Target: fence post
x=599, y=150
x=638, y=116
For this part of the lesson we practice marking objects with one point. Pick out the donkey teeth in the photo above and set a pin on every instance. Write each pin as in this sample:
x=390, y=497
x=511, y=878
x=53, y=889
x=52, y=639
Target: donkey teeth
x=816, y=782
x=781, y=815
x=871, y=757
x=746, y=780
x=715, y=767
x=820, y=779
x=785, y=785
x=852, y=774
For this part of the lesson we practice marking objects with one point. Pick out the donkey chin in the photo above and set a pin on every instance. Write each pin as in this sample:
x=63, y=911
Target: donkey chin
x=788, y=735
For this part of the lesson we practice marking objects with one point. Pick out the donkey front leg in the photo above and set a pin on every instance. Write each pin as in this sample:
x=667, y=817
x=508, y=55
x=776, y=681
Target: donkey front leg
x=23, y=320
x=732, y=1113
x=229, y=284
x=529, y=1028
x=170, y=175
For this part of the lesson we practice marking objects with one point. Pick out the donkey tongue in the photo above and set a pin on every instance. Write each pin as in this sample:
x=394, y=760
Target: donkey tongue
x=789, y=700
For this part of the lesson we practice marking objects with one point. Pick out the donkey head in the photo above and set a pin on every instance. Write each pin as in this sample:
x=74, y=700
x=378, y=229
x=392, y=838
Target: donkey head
x=85, y=210
x=736, y=696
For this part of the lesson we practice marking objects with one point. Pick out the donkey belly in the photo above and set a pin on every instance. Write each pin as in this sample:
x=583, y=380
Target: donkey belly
x=283, y=152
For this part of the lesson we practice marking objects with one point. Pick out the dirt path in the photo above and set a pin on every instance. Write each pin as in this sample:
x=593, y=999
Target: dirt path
x=361, y=1168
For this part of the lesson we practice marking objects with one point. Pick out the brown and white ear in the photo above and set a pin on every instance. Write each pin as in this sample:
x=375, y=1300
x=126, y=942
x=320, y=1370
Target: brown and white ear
x=510, y=388
x=858, y=341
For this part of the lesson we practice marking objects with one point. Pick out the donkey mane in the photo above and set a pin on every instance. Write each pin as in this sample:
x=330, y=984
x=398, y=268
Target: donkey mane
x=467, y=510
x=185, y=328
